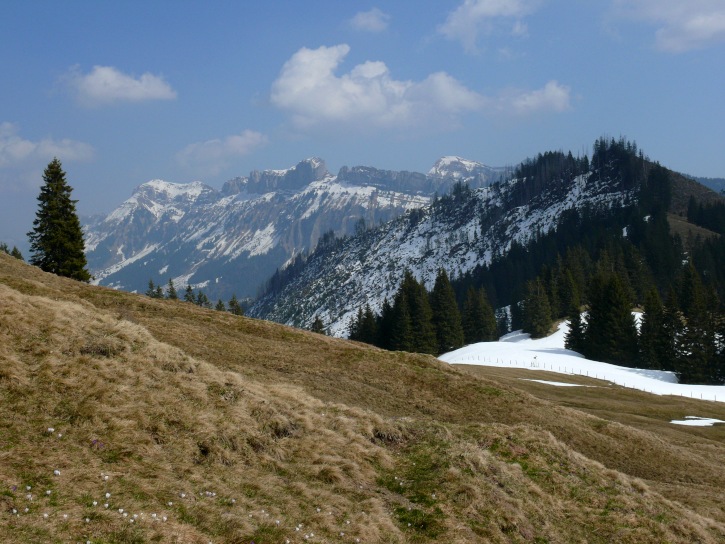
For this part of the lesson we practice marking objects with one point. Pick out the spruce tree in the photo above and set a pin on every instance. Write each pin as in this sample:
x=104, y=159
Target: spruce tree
x=220, y=307
x=421, y=316
x=368, y=328
x=189, y=295
x=574, y=339
x=478, y=319
x=446, y=316
x=536, y=310
x=318, y=326
x=151, y=291
x=16, y=253
x=171, y=293
x=651, y=331
x=56, y=241
x=401, y=326
x=234, y=306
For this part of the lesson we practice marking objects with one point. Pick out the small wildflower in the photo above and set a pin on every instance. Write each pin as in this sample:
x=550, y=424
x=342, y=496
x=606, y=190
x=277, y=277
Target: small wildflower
x=95, y=503
x=164, y=518
x=60, y=435
x=105, y=505
x=45, y=516
x=170, y=503
x=51, y=430
x=105, y=477
x=88, y=520
x=65, y=516
x=108, y=495
x=28, y=488
x=48, y=492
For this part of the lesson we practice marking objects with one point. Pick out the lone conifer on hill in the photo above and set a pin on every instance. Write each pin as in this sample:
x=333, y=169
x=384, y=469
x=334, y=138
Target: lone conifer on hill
x=56, y=241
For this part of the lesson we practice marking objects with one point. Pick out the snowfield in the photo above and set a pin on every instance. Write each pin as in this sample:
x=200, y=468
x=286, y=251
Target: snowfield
x=518, y=350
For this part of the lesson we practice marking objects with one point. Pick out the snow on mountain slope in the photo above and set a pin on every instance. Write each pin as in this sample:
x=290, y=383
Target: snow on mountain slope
x=458, y=232
x=234, y=239
x=518, y=350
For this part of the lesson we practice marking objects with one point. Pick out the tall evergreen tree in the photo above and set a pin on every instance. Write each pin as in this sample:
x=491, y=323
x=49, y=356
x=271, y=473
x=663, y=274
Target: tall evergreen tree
x=652, y=343
x=15, y=252
x=574, y=339
x=171, y=293
x=446, y=316
x=611, y=334
x=536, y=310
x=151, y=291
x=234, y=306
x=56, y=241
x=385, y=326
x=189, y=294
x=368, y=327
x=401, y=325
x=478, y=318
x=318, y=326
x=421, y=315
x=220, y=306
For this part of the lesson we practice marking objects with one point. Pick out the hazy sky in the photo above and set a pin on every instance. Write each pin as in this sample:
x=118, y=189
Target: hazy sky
x=124, y=92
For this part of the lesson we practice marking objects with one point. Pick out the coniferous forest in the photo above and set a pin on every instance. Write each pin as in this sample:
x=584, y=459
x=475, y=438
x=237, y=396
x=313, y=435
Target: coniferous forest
x=593, y=269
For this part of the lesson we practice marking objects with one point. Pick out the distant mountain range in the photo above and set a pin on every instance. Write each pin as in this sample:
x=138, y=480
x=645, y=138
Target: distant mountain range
x=230, y=241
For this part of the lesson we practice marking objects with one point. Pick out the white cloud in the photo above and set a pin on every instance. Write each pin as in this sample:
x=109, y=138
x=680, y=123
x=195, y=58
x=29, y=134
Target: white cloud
x=473, y=17
x=682, y=26
x=370, y=21
x=15, y=150
x=213, y=155
x=369, y=97
x=553, y=97
x=106, y=84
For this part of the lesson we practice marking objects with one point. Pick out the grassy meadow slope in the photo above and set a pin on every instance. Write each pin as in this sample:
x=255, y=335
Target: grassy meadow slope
x=197, y=426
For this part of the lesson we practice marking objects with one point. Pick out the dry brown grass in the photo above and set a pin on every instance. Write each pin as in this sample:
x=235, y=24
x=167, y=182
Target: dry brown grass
x=266, y=430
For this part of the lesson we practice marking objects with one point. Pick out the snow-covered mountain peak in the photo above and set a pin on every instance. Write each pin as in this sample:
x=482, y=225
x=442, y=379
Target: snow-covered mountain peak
x=456, y=167
x=158, y=188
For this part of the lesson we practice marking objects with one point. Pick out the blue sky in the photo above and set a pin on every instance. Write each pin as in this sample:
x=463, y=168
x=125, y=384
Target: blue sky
x=125, y=92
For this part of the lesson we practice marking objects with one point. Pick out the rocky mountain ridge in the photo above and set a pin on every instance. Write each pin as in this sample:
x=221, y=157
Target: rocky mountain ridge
x=232, y=240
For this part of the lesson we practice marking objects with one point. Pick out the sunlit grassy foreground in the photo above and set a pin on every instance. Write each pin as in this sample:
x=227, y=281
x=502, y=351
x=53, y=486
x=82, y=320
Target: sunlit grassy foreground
x=126, y=419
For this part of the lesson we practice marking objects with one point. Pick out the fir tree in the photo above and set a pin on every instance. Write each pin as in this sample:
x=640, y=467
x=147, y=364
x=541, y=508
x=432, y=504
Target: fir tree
x=234, y=306
x=202, y=300
x=574, y=339
x=536, y=310
x=652, y=344
x=220, y=307
x=611, y=334
x=56, y=241
x=446, y=316
x=367, y=327
x=385, y=326
x=15, y=252
x=318, y=326
x=151, y=291
x=401, y=326
x=478, y=318
x=171, y=293
x=421, y=316
x=189, y=295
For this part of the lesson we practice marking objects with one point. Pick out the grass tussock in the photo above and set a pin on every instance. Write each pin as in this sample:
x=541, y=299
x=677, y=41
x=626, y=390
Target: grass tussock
x=126, y=419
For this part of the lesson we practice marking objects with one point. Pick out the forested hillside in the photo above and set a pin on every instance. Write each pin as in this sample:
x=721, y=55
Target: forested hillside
x=659, y=247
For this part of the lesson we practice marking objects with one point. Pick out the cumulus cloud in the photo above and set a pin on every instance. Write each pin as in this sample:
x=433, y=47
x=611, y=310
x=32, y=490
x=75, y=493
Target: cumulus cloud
x=553, y=97
x=368, y=96
x=370, y=21
x=214, y=155
x=106, y=85
x=682, y=26
x=474, y=17
x=15, y=150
